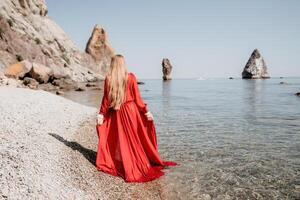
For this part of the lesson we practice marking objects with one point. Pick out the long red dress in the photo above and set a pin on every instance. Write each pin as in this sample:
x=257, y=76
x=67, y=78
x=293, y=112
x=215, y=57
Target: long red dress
x=127, y=144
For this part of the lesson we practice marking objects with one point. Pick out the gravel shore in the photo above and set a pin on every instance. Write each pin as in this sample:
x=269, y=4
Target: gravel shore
x=30, y=164
x=48, y=149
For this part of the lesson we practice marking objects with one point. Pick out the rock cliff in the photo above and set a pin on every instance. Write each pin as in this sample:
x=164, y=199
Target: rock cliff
x=255, y=67
x=27, y=33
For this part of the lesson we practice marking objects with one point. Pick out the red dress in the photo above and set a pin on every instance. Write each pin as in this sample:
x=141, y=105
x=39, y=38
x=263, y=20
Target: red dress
x=127, y=144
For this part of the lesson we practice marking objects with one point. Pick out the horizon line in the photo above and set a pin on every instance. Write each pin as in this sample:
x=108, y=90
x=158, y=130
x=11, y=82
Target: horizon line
x=207, y=78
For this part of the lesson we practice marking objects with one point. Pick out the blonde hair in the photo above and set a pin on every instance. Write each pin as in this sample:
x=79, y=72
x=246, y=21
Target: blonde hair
x=117, y=79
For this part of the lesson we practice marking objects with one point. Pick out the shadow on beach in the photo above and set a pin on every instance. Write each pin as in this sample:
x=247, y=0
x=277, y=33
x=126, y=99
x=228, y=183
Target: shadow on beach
x=89, y=154
x=95, y=183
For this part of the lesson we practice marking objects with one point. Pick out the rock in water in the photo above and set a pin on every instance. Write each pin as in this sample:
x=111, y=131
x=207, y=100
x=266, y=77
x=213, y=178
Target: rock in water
x=79, y=89
x=99, y=48
x=167, y=69
x=255, y=67
x=283, y=83
x=140, y=83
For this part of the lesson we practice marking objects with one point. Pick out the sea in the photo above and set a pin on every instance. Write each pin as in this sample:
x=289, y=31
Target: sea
x=232, y=138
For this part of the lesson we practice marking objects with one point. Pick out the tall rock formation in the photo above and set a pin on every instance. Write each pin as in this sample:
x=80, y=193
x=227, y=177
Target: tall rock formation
x=99, y=48
x=166, y=69
x=27, y=33
x=255, y=67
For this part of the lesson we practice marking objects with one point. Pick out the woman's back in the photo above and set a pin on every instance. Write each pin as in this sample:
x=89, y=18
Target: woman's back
x=132, y=94
x=127, y=140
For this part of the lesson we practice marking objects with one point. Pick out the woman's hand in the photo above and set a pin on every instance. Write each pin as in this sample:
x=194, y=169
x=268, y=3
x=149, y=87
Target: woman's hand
x=149, y=116
x=100, y=119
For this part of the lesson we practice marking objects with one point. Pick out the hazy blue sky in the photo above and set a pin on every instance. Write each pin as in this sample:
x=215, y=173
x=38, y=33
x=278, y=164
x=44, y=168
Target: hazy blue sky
x=201, y=38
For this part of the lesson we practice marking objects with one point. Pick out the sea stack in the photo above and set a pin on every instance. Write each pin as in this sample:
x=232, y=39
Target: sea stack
x=256, y=67
x=99, y=48
x=166, y=69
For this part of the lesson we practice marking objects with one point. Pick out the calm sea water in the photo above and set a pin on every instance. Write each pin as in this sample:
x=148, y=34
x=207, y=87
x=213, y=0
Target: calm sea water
x=232, y=138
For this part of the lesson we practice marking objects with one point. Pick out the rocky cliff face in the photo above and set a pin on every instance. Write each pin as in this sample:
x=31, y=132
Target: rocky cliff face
x=166, y=69
x=255, y=67
x=27, y=33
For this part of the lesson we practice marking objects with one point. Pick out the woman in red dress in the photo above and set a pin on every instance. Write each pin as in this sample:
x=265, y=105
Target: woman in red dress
x=127, y=137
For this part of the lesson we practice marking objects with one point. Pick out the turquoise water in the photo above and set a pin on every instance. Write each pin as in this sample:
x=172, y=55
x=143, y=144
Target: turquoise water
x=232, y=138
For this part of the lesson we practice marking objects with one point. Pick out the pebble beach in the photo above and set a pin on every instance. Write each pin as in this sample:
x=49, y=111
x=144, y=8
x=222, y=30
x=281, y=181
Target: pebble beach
x=48, y=149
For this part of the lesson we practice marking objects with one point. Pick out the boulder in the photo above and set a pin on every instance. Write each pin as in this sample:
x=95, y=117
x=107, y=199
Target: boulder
x=18, y=70
x=90, y=85
x=166, y=69
x=59, y=72
x=256, y=67
x=58, y=92
x=297, y=94
x=30, y=82
x=79, y=89
x=41, y=73
x=63, y=83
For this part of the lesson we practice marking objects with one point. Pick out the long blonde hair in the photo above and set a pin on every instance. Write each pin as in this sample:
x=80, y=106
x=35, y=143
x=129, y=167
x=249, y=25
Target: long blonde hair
x=117, y=79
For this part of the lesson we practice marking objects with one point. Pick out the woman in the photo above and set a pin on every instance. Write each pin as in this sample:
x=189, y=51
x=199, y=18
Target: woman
x=127, y=138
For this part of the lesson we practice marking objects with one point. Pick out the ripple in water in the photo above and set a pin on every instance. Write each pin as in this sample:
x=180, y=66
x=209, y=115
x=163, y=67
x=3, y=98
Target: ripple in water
x=233, y=139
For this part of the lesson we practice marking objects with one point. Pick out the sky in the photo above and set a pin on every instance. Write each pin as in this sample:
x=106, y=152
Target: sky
x=212, y=38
